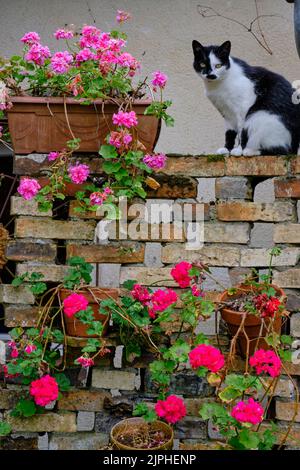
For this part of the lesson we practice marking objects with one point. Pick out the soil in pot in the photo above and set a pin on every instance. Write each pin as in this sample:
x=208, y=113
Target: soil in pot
x=255, y=328
x=137, y=434
x=74, y=327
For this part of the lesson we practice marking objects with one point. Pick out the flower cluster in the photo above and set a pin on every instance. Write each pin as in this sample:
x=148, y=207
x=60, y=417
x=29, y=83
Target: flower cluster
x=155, y=162
x=266, y=306
x=126, y=119
x=157, y=301
x=98, y=198
x=44, y=390
x=248, y=412
x=172, y=409
x=207, y=356
x=79, y=173
x=28, y=188
x=85, y=361
x=74, y=303
x=266, y=361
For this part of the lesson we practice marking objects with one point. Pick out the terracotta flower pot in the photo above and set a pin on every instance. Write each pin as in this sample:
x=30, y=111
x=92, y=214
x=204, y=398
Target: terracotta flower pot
x=40, y=124
x=74, y=327
x=131, y=425
x=252, y=323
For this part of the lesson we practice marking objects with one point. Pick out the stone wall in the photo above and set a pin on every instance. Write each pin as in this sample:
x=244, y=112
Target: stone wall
x=250, y=204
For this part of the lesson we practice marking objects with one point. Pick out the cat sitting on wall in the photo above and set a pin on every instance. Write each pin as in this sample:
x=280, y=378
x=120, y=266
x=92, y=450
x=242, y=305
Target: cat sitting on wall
x=255, y=103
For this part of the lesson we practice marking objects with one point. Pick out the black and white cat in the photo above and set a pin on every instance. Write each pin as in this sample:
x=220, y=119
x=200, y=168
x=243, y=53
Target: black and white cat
x=256, y=103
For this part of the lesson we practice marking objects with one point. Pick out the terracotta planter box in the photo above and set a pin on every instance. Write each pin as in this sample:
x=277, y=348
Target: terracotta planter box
x=39, y=124
x=74, y=327
x=252, y=323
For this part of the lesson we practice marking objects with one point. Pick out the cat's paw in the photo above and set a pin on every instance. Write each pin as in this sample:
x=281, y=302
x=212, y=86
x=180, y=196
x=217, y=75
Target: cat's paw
x=222, y=151
x=237, y=152
x=247, y=152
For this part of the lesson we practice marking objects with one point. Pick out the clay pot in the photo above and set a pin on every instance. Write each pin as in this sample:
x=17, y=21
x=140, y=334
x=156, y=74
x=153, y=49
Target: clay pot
x=134, y=423
x=74, y=327
x=40, y=124
x=252, y=323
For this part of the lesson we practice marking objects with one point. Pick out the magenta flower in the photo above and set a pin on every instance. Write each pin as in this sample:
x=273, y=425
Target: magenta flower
x=79, y=173
x=159, y=79
x=38, y=54
x=84, y=55
x=251, y=412
x=156, y=162
x=127, y=60
x=90, y=37
x=30, y=38
x=196, y=291
x=60, y=62
x=74, y=303
x=180, y=274
x=96, y=199
x=63, y=34
x=122, y=16
x=266, y=361
x=53, y=156
x=120, y=139
x=161, y=300
x=28, y=188
x=85, y=361
x=172, y=409
x=44, y=390
x=141, y=294
x=30, y=348
x=125, y=119
x=207, y=356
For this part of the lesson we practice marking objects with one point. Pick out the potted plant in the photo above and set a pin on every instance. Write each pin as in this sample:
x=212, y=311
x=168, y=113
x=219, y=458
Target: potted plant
x=43, y=92
x=253, y=309
x=242, y=396
x=84, y=99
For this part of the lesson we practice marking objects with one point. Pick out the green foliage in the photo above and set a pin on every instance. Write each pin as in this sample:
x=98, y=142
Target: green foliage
x=158, y=109
x=5, y=428
x=63, y=382
x=79, y=273
x=24, y=409
x=32, y=281
x=148, y=414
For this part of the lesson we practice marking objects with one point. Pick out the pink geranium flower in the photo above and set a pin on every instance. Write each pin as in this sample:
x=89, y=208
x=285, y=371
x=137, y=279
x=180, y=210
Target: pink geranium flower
x=161, y=300
x=172, y=409
x=122, y=16
x=125, y=119
x=196, y=291
x=207, y=356
x=85, y=361
x=28, y=188
x=159, y=79
x=141, y=294
x=30, y=348
x=30, y=38
x=79, y=173
x=180, y=274
x=90, y=37
x=84, y=55
x=156, y=162
x=74, y=303
x=60, y=62
x=248, y=412
x=120, y=139
x=266, y=361
x=53, y=156
x=63, y=34
x=44, y=390
x=38, y=54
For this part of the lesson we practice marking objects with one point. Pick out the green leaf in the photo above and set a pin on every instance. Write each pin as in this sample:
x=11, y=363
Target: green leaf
x=129, y=284
x=24, y=408
x=108, y=151
x=111, y=167
x=285, y=339
x=142, y=409
x=202, y=371
x=64, y=383
x=249, y=439
x=229, y=394
x=132, y=351
x=5, y=428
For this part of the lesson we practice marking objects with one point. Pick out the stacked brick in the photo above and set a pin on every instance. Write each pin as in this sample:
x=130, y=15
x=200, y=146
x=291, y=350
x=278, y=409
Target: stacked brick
x=250, y=204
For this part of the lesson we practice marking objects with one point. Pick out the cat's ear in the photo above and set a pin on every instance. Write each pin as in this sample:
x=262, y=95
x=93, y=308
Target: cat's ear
x=198, y=49
x=224, y=50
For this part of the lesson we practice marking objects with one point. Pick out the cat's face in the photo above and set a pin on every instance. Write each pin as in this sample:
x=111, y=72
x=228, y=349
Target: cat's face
x=211, y=62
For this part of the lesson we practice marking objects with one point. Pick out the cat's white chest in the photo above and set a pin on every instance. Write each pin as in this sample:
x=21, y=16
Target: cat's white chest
x=232, y=97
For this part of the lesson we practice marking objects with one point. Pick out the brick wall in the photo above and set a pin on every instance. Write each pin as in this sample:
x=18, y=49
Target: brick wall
x=250, y=204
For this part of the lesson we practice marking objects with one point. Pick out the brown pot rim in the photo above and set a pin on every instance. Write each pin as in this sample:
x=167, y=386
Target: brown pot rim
x=138, y=420
x=67, y=100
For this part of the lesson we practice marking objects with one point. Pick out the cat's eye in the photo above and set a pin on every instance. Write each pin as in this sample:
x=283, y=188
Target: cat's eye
x=218, y=66
x=202, y=64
